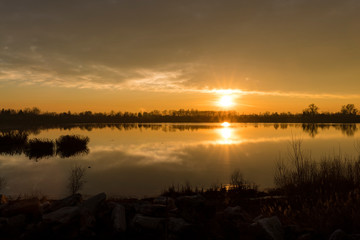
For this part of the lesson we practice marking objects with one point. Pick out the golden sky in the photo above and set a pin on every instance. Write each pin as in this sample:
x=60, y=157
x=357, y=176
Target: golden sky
x=132, y=55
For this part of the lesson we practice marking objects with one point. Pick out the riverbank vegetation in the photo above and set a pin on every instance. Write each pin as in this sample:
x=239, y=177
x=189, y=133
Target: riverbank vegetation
x=17, y=142
x=347, y=114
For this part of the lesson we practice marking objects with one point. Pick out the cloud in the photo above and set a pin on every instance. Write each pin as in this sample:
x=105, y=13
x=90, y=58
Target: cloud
x=183, y=46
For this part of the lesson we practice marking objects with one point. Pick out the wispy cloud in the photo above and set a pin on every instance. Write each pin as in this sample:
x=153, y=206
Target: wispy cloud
x=147, y=80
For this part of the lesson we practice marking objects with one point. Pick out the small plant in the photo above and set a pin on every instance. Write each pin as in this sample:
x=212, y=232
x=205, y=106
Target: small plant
x=76, y=179
x=238, y=182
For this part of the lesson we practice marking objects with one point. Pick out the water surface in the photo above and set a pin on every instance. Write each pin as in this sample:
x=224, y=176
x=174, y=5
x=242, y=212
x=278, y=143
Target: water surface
x=143, y=159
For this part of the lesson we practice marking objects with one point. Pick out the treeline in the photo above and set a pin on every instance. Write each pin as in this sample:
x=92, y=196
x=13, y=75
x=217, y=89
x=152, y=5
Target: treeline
x=347, y=114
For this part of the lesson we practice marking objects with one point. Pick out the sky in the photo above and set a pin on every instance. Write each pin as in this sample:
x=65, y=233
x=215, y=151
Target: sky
x=131, y=55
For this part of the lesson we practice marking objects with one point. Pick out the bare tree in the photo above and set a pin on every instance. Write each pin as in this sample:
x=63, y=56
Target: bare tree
x=312, y=110
x=349, y=109
x=76, y=179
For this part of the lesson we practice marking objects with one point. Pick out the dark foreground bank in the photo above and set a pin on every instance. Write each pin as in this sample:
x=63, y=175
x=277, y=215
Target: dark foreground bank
x=206, y=215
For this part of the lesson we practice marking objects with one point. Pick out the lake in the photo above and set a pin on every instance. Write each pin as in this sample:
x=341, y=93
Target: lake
x=137, y=160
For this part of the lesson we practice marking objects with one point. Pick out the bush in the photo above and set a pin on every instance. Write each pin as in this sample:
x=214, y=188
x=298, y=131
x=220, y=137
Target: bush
x=70, y=145
x=37, y=148
x=76, y=179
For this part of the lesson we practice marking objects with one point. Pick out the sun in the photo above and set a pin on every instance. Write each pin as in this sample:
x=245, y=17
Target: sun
x=226, y=101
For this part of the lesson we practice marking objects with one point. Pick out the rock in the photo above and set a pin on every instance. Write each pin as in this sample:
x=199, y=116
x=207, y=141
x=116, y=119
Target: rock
x=73, y=200
x=145, y=223
x=87, y=221
x=177, y=225
x=306, y=236
x=355, y=236
x=26, y=206
x=62, y=215
x=3, y=220
x=194, y=200
x=293, y=231
x=3, y=199
x=17, y=221
x=191, y=208
x=167, y=201
x=338, y=235
x=118, y=217
x=236, y=213
x=272, y=227
x=93, y=203
x=152, y=210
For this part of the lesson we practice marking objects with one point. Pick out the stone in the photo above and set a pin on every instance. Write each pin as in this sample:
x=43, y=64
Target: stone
x=355, y=236
x=338, y=235
x=272, y=227
x=194, y=200
x=167, y=201
x=93, y=203
x=26, y=206
x=236, y=213
x=87, y=220
x=141, y=222
x=62, y=215
x=177, y=225
x=73, y=200
x=118, y=217
x=17, y=221
x=4, y=220
x=192, y=208
x=152, y=210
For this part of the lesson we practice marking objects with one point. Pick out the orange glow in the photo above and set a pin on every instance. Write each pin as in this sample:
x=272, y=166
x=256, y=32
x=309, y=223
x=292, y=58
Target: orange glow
x=226, y=101
x=225, y=124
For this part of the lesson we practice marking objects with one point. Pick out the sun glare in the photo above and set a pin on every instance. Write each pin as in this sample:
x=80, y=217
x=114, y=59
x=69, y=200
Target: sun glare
x=226, y=101
x=225, y=124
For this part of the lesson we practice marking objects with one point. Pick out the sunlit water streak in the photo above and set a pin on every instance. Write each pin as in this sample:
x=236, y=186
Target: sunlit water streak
x=138, y=161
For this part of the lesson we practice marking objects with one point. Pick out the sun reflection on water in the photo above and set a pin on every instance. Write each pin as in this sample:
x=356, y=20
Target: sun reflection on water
x=226, y=134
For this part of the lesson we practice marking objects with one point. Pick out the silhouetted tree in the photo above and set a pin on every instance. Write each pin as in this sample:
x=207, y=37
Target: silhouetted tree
x=76, y=179
x=311, y=110
x=349, y=109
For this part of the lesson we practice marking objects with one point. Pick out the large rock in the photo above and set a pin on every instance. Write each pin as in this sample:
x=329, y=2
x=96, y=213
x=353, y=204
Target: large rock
x=271, y=227
x=152, y=210
x=177, y=225
x=338, y=235
x=118, y=217
x=236, y=213
x=192, y=208
x=63, y=215
x=93, y=203
x=145, y=223
x=17, y=221
x=73, y=200
x=26, y=206
x=167, y=201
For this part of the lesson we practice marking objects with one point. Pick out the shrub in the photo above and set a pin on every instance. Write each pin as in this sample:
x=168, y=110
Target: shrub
x=70, y=145
x=76, y=179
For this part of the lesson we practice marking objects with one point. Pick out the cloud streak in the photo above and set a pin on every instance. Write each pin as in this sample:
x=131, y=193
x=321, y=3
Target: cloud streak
x=254, y=48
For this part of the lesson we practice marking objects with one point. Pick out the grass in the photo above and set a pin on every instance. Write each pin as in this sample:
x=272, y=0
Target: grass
x=320, y=195
x=39, y=148
x=70, y=145
x=323, y=195
x=12, y=142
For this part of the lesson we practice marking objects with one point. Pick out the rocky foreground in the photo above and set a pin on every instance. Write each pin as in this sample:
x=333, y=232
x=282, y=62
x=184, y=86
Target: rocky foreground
x=183, y=217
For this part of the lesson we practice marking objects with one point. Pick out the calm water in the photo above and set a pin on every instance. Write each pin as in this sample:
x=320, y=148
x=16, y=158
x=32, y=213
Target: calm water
x=142, y=160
